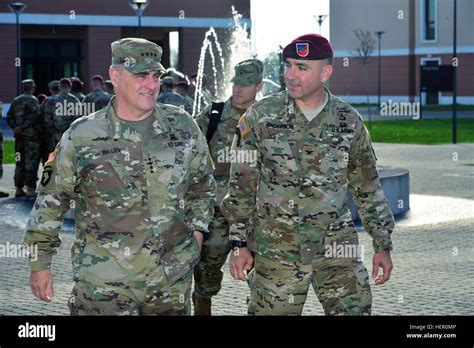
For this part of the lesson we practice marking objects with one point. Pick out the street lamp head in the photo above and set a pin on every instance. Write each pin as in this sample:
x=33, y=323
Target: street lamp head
x=17, y=7
x=320, y=18
x=138, y=5
x=380, y=33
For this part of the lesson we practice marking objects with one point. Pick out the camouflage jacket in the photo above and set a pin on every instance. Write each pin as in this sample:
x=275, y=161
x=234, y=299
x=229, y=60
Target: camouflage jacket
x=136, y=202
x=79, y=95
x=293, y=201
x=220, y=144
x=23, y=113
x=175, y=99
x=99, y=98
x=59, y=112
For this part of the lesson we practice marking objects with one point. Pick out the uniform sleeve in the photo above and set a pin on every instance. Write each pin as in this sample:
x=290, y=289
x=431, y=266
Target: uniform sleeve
x=201, y=193
x=239, y=203
x=55, y=194
x=202, y=119
x=14, y=110
x=367, y=191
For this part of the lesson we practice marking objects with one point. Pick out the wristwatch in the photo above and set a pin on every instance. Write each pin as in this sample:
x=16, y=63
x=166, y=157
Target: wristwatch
x=204, y=234
x=238, y=244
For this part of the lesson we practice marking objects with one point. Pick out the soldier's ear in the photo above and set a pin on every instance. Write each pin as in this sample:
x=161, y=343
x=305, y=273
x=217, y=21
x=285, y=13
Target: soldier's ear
x=326, y=73
x=259, y=87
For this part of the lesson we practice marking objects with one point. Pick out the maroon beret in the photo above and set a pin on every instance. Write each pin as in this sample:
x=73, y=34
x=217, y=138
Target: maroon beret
x=308, y=47
x=65, y=82
x=98, y=78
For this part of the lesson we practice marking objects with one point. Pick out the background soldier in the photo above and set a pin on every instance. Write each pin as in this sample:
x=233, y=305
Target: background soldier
x=182, y=88
x=60, y=111
x=98, y=97
x=76, y=88
x=169, y=96
x=109, y=87
x=218, y=122
x=312, y=148
x=45, y=135
x=23, y=119
x=140, y=175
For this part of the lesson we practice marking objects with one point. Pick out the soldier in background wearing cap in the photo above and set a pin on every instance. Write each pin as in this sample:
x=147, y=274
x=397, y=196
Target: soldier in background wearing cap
x=98, y=97
x=45, y=136
x=140, y=177
x=218, y=122
x=312, y=149
x=60, y=111
x=109, y=87
x=169, y=96
x=76, y=88
x=23, y=119
x=182, y=88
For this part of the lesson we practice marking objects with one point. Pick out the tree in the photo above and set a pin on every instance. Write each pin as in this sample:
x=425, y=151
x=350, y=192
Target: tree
x=364, y=50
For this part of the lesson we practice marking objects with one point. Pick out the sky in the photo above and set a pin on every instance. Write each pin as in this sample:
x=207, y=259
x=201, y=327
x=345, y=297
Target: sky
x=276, y=22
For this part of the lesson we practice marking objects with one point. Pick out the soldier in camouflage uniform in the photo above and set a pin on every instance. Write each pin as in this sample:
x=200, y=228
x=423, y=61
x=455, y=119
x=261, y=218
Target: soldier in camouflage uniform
x=109, y=87
x=2, y=194
x=169, y=96
x=97, y=97
x=140, y=177
x=60, y=111
x=182, y=88
x=76, y=88
x=290, y=209
x=45, y=136
x=23, y=119
x=247, y=82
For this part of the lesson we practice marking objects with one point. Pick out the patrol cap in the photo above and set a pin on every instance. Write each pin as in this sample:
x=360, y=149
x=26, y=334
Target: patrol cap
x=137, y=55
x=28, y=83
x=54, y=85
x=75, y=81
x=248, y=72
x=168, y=81
x=65, y=82
x=308, y=47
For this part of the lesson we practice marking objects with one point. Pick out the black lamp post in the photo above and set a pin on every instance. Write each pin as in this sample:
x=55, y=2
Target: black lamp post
x=139, y=6
x=17, y=8
x=454, y=126
x=320, y=19
x=379, y=33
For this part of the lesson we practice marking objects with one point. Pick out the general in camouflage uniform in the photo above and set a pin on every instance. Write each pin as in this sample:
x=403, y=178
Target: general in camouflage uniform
x=247, y=82
x=60, y=111
x=291, y=209
x=169, y=95
x=143, y=193
x=98, y=98
x=23, y=119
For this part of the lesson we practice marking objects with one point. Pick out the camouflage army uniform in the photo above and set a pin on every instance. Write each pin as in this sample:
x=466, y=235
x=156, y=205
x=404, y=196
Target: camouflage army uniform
x=208, y=274
x=45, y=136
x=175, y=99
x=58, y=118
x=79, y=95
x=23, y=114
x=99, y=98
x=292, y=205
x=137, y=203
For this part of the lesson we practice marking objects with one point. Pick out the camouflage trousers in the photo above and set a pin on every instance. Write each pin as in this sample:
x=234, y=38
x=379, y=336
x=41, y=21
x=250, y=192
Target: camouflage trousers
x=155, y=296
x=280, y=288
x=207, y=273
x=27, y=153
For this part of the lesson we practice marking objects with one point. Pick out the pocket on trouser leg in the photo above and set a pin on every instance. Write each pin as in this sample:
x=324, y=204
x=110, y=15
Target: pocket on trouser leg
x=343, y=287
x=87, y=299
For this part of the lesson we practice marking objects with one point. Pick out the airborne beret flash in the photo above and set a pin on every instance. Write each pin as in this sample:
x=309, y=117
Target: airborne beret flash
x=308, y=47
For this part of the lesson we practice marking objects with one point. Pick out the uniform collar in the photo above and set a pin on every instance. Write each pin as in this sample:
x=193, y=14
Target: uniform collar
x=118, y=129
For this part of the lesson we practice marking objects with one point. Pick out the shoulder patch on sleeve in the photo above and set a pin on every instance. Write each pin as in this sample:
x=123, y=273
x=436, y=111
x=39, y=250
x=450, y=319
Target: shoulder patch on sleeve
x=243, y=126
x=46, y=176
x=51, y=157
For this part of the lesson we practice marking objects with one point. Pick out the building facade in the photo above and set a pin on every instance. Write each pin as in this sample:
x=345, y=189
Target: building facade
x=70, y=38
x=416, y=32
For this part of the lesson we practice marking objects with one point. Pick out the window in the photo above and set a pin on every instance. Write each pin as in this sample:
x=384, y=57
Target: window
x=429, y=20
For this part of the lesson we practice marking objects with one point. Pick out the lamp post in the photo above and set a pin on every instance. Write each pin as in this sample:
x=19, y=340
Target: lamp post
x=379, y=33
x=320, y=19
x=139, y=6
x=454, y=125
x=17, y=8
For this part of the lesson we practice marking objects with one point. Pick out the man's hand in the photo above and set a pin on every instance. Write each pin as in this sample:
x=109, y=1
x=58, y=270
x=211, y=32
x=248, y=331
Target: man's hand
x=200, y=238
x=382, y=260
x=41, y=283
x=240, y=259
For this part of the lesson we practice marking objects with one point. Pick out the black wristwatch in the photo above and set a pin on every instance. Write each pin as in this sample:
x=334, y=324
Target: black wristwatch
x=204, y=234
x=237, y=244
